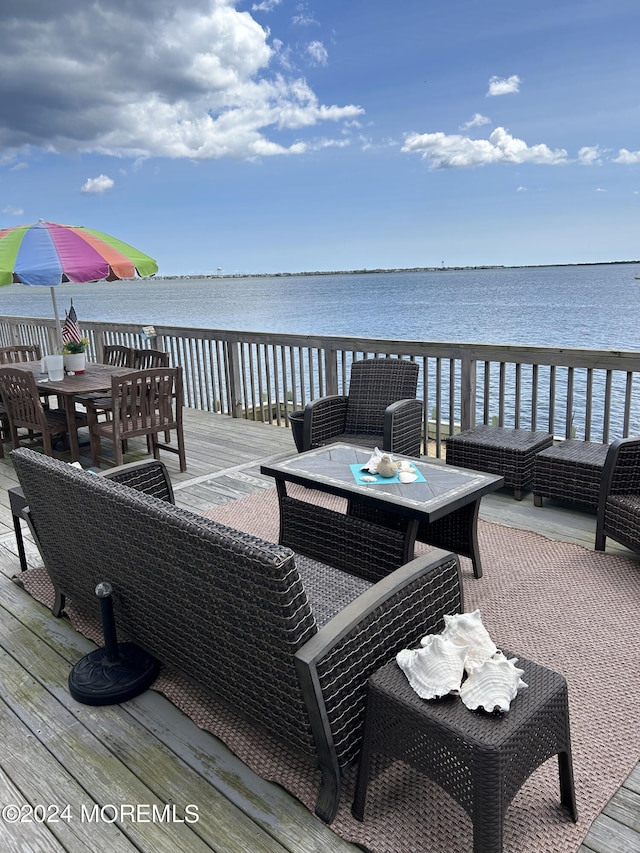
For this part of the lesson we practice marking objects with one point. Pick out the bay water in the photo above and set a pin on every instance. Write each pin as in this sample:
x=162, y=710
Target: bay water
x=587, y=306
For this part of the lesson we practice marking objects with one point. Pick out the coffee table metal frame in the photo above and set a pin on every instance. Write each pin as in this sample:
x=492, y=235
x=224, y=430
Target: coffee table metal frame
x=442, y=510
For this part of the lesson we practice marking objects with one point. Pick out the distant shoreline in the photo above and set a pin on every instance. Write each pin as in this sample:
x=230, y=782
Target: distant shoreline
x=390, y=270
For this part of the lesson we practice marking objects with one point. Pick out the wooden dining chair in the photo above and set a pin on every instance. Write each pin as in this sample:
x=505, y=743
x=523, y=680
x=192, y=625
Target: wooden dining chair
x=20, y=352
x=122, y=356
x=24, y=409
x=144, y=403
x=117, y=355
x=15, y=354
x=144, y=358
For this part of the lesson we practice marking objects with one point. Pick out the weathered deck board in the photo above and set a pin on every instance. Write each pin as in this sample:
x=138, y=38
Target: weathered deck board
x=145, y=751
x=148, y=751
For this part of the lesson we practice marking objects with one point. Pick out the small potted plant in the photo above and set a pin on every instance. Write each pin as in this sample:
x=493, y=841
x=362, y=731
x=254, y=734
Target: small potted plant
x=74, y=355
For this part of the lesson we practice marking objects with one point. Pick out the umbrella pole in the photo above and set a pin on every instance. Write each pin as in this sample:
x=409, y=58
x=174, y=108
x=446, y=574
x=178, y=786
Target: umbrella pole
x=57, y=317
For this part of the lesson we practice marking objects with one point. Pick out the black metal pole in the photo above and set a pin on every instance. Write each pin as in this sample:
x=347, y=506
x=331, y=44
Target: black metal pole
x=103, y=591
x=115, y=672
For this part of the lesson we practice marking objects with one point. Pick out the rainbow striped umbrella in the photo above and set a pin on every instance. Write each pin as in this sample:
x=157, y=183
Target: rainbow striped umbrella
x=47, y=254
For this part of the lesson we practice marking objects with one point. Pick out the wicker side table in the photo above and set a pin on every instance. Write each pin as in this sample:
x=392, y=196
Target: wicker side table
x=499, y=450
x=570, y=471
x=480, y=760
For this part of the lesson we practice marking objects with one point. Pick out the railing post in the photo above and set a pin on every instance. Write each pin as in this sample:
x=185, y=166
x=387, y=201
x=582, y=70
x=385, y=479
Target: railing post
x=468, y=392
x=232, y=357
x=15, y=333
x=331, y=371
x=99, y=344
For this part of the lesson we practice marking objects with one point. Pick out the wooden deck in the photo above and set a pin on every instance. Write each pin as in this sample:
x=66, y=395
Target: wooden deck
x=57, y=752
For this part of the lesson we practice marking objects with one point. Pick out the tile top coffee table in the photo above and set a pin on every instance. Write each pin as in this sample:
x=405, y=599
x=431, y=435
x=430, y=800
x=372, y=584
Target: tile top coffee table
x=440, y=508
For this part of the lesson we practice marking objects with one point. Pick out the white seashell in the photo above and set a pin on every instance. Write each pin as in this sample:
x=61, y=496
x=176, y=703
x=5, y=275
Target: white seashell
x=374, y=461
x=407, y=477
x=387, y=467
x=366, y=479
x=492, y=684
x=435, y=669
x=466, y=629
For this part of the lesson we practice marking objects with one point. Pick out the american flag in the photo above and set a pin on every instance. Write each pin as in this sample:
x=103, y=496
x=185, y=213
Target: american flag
x=71, y=329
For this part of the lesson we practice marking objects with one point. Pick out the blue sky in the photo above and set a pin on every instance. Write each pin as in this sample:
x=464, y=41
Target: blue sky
x=278, y=135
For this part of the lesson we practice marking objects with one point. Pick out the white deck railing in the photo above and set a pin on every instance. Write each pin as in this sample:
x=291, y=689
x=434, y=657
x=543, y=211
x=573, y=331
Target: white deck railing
x=581, y=393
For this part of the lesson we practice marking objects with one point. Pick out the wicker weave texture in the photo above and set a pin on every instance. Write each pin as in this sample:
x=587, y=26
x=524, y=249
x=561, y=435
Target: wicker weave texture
x=416, y=610
x=358, y=547
x=227, y=609
x=231, y=611
x=619, y=503
x=456, y=531
x=150, y=477
x=374, y=384
x=571, y=471
x=480, y=760
x=499, y=450
x=379, y=410
x=622, y=520
x=625, y=477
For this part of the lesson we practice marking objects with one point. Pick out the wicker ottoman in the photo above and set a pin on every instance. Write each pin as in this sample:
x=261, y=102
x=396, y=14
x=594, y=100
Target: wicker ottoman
x=499, y=450
x=480, y=760
x=570, y=471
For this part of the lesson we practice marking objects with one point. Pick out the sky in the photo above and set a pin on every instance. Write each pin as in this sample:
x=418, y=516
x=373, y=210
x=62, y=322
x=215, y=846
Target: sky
x=262, y=136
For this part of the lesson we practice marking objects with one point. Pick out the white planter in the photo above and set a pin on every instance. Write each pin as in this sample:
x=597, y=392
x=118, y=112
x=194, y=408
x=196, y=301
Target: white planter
x=74, y=362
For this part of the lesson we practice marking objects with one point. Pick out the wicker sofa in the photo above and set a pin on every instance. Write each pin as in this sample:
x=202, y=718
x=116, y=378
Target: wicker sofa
x=282, y=639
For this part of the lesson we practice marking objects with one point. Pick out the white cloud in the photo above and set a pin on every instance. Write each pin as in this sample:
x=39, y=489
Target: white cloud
x=154, y=78
x=590, y=155
x=503, y=85
x=284, y=55
x=265, y=6
x=97, y=185
x=627, y=158
x=303, y=18
x=19, y=166
x=13, y=211
x=477, y=121
x=455, y=151
x=318, y=53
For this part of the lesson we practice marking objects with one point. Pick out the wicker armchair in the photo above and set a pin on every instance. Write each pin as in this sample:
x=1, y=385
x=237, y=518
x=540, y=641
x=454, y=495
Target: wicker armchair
x=281, y=639
x=619, y=502
x=380, y=409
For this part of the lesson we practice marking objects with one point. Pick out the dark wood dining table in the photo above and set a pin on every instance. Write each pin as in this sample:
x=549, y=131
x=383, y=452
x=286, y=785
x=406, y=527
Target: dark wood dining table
x=96, y=377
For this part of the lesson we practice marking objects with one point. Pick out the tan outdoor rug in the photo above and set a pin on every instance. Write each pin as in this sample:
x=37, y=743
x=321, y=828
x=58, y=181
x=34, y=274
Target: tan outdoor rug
x=566, y=607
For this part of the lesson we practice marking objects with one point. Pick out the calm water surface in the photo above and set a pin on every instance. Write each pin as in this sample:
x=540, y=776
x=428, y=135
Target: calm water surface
x=596, y=307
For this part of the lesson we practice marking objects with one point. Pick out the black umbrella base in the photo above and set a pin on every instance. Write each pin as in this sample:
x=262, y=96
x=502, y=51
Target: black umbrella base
x=96, y=680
